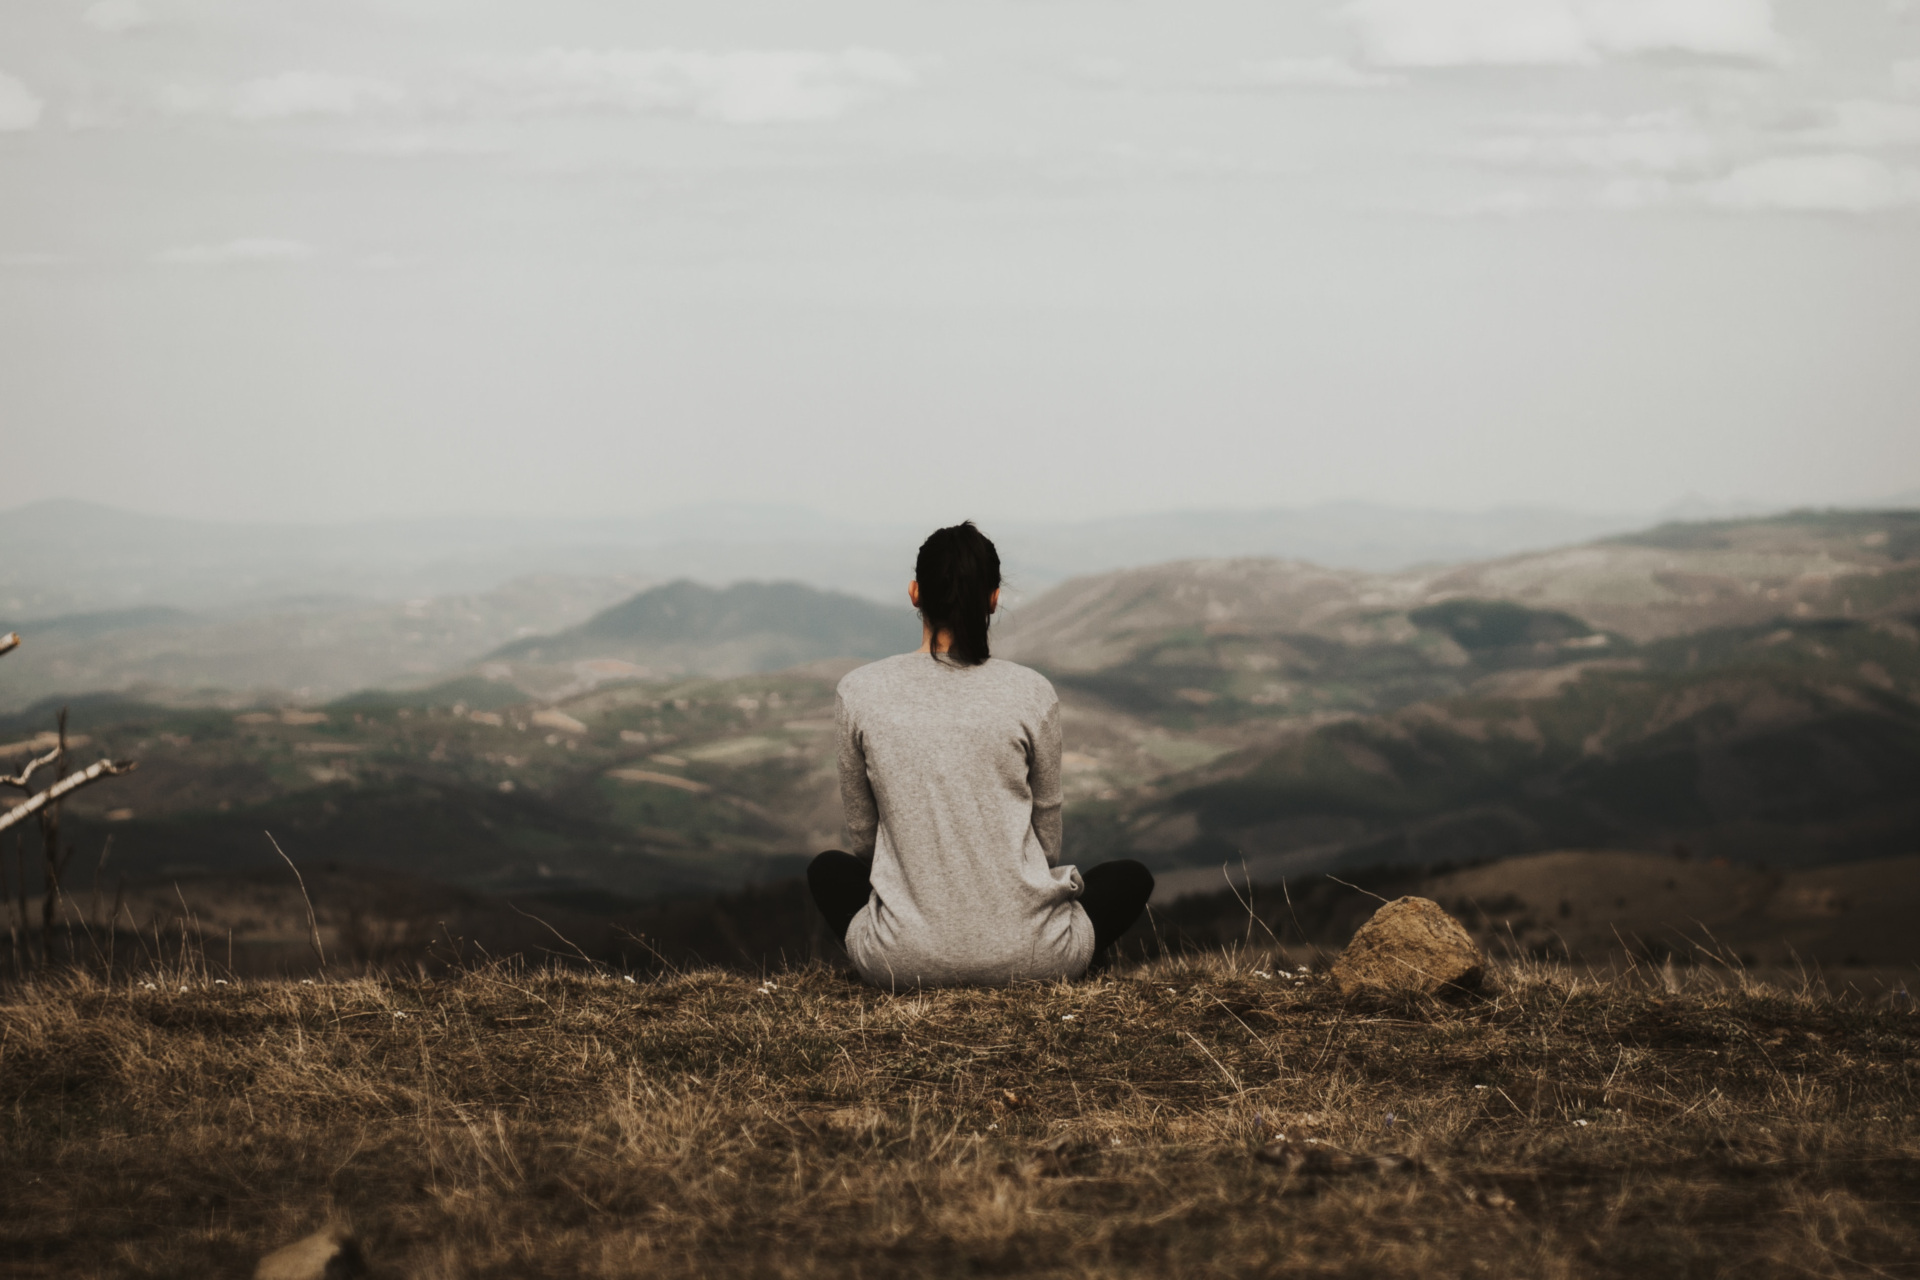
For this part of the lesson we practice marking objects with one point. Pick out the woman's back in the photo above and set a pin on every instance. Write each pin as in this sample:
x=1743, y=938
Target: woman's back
x=950, y=775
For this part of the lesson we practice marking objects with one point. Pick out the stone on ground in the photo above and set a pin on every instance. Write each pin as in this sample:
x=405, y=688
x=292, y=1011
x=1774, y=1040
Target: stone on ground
x=1410, y=945
x=330, y=1254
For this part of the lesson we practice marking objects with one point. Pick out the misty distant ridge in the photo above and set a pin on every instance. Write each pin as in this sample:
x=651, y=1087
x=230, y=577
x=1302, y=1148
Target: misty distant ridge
x=553, y=633
x=68, y=557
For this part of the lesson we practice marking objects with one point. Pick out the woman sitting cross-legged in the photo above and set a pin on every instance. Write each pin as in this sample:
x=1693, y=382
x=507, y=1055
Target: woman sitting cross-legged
x=950, y=774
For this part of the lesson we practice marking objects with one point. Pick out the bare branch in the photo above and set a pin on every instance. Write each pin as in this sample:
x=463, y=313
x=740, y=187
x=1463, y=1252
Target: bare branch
x=65, y=787
x=9, y=642
x=20, y=779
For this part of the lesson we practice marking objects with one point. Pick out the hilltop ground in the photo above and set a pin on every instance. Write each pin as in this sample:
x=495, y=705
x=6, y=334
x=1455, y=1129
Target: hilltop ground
x=504, y=1122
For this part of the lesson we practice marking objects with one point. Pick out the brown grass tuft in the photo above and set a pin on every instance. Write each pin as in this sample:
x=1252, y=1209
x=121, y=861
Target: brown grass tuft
x=509, y=1122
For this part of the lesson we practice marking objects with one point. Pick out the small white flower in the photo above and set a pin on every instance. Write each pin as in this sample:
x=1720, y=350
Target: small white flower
x=992, y=1127
x=219, y=982
x=1480, y=1087
x=148, y=986
x=628, y=977
x=398, y=1014
x=1579, y=1124
x=183, y=988
x=1304, y=972
x=1261, y=973
x=1066, y=1017
x=306, y=982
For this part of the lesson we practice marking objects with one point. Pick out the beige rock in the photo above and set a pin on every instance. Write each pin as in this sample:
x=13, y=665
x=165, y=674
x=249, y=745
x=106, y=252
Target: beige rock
x=1410, y=945
x=329, y=1254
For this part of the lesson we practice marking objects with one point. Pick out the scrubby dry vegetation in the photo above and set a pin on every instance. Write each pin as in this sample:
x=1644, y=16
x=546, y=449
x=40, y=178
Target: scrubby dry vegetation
x=510, y=1122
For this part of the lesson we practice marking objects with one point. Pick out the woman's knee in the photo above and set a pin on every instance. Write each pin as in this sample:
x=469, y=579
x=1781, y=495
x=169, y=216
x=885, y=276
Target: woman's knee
x=833, y=867
x=836, y=878
x=1123, y=878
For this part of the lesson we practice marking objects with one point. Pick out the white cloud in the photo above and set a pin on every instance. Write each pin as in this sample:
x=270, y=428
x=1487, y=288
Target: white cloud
x=309, y=93
x=286, y=96
x=19, y=108
x=115, y=17
x=31, y=260
x=1865, y=125
x=1737, y=29
x=1633, y=194
x=1316, y=73
x=1660, y=142
x=1837, y=183
x=1451, y=33
x=407, y=146
x=741, y=87
x=237, y=253
x=1906, y=76
x=1513, y=202
x=1629, y=195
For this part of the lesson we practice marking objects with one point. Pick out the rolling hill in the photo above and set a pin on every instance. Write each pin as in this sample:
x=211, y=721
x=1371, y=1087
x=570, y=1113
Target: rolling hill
x=306, y=649
x=686, y=629
x=1666, y=581
x=1746, y=689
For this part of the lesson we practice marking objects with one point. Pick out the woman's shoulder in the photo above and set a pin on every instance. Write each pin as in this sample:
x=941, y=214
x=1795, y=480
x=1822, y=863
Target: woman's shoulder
x=879, y=678
x=1025, y=679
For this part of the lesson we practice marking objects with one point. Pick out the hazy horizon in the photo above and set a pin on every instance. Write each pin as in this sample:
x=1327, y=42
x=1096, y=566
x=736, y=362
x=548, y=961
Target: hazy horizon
x=69, y=556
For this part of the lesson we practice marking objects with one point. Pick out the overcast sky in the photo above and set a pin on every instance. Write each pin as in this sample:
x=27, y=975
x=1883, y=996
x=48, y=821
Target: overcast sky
x=1025, y=260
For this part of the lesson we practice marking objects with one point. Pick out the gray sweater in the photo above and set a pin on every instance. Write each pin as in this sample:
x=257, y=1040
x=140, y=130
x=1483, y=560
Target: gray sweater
x=951, y=780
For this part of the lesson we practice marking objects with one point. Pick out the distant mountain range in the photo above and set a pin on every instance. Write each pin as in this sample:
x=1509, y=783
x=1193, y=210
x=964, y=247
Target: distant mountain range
x=70, y=557
x=199, y=610
x=318, y=646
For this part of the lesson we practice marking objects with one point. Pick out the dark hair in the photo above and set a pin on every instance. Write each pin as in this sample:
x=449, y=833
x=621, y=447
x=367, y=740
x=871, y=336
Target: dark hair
x=958, y=571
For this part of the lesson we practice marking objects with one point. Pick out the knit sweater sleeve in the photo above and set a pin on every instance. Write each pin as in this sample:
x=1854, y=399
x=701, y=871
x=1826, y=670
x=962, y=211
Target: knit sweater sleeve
x=856, y=789
x=1043, y=778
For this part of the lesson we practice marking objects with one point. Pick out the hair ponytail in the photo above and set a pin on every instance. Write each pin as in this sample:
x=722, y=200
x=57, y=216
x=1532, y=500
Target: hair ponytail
x=958, y=571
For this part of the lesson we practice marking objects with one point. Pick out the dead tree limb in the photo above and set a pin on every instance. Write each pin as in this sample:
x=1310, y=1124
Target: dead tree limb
x=9, y=642
x=65, y=787
x=21, y=779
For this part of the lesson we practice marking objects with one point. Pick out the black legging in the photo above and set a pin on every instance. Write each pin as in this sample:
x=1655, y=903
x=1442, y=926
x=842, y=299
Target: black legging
x=1115, y=895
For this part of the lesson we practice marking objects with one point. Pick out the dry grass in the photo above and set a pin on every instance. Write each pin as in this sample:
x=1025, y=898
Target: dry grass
x=516, y=1123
